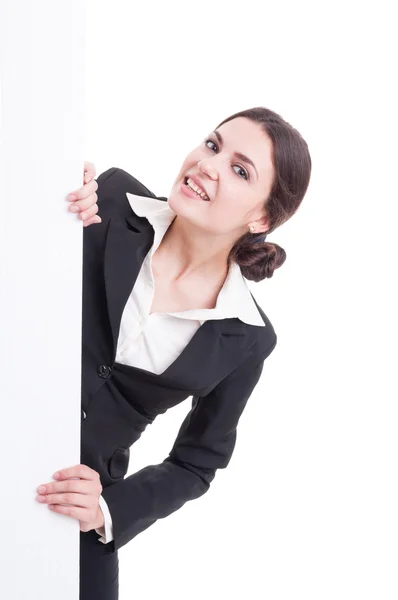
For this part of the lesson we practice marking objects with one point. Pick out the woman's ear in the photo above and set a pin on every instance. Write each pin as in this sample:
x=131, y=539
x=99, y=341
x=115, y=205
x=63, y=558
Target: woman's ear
x=262, y=224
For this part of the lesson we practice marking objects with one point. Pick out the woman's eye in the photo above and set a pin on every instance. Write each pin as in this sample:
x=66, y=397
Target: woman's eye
x=211, y=141
x=245, y=174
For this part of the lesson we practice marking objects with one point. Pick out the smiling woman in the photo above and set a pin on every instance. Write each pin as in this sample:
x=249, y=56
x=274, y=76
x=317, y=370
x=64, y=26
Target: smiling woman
x=167, y=314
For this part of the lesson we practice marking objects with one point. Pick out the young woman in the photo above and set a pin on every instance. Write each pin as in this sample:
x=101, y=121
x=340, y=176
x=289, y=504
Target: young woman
x=167, y=314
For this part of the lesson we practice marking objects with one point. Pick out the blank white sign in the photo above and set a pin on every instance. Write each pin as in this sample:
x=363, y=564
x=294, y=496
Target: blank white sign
x=41, y=161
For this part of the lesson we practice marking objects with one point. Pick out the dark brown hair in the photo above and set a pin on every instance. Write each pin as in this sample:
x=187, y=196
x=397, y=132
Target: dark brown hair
x=292, y=167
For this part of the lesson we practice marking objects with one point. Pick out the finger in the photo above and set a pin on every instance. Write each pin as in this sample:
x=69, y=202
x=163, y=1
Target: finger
x=83, y=192
x=89, y=171
x=86, y=208
x=82, y=500
x=82, y=471
x=80, y=486
x=90, y=212
x=76, y=512
x=92, y=221
x=83, y=206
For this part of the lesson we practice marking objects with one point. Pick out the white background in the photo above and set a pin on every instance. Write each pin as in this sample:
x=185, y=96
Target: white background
x=307, y=507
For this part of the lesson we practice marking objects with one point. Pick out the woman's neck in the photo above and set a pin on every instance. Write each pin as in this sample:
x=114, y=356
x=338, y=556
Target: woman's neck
x=187, y=251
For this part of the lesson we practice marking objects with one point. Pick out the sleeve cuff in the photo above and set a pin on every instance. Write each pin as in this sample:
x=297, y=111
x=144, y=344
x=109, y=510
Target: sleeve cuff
x=106, y=532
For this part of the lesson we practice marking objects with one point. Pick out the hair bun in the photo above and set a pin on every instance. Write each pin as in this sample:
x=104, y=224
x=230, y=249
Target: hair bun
x=258, y=259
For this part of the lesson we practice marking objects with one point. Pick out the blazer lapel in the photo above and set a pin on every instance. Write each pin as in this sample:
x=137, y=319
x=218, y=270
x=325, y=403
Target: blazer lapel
x=217, y=347
x=125, y=250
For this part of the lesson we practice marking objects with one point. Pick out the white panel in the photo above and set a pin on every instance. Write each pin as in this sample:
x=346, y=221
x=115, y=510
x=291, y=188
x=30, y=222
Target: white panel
x=41, y=161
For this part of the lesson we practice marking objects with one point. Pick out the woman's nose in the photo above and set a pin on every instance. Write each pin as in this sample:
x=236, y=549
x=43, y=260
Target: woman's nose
x=208, y=168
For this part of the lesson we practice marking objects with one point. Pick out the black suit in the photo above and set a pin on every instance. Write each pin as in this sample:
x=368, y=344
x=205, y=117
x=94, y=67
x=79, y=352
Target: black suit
x=219, y=367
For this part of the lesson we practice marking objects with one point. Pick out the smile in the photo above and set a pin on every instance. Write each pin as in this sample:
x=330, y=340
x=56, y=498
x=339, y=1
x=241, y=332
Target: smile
x=192, y=186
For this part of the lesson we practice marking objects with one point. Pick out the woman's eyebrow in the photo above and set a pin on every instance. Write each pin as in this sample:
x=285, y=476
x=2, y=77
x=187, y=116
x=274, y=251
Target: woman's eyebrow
x=238, y=154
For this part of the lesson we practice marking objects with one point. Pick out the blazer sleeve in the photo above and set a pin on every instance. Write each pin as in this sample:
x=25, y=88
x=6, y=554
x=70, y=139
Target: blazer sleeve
x=205, y=443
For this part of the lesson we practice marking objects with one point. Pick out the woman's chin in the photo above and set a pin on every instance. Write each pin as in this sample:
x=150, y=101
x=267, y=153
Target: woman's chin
x=186, y=208
x=180, y=203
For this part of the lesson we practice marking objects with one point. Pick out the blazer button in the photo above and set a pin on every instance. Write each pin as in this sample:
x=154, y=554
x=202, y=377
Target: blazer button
x=104, y=371
x=84, y=414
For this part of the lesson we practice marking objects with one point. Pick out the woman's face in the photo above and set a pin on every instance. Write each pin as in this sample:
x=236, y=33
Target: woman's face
x=233, y=167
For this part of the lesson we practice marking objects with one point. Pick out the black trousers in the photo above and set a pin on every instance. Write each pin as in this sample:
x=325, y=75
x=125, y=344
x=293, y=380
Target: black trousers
x=99, y=569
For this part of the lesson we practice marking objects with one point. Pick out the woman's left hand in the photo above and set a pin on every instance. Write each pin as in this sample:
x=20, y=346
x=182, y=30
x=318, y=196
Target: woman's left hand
x=79, y=487
x=84, y=200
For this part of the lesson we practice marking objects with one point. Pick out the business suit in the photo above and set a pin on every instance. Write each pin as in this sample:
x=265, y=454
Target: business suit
x=219, y=367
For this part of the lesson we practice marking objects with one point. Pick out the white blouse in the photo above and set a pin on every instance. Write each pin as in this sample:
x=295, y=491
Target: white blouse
x=154, y=341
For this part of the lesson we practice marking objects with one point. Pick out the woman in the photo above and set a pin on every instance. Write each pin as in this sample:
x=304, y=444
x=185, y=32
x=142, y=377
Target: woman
x=167, y=314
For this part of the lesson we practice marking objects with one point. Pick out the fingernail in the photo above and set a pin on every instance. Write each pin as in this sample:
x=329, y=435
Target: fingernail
x=56, y=476
x=72, y=197
x=74, y=208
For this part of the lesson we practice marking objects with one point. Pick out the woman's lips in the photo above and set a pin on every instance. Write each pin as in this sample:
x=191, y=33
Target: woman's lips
x=188, y=192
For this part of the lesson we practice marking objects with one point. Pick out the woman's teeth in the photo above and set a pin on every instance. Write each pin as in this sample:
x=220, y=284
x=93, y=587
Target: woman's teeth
x=197, y=189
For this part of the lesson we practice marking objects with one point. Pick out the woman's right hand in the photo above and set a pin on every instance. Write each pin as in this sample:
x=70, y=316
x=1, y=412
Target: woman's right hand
x=84, y=200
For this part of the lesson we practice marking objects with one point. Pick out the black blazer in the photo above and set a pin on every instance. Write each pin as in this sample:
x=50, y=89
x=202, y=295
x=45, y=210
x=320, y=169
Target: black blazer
x=219, y=367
